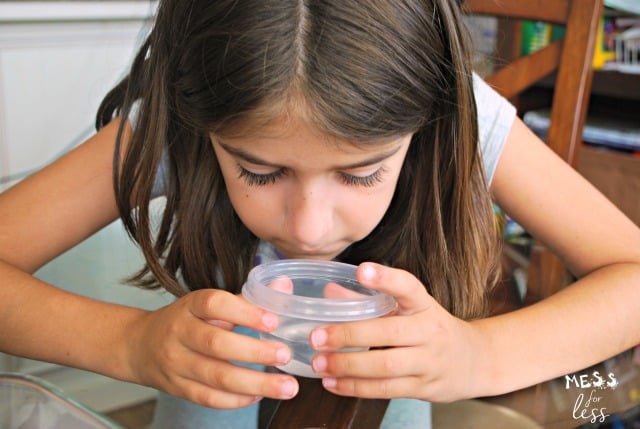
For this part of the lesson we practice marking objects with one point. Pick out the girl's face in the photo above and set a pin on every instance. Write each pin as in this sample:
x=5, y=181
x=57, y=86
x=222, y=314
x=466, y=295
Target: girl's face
x=308, y=194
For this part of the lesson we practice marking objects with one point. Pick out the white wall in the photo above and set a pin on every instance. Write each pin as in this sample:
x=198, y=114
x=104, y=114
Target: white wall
x=57, y=60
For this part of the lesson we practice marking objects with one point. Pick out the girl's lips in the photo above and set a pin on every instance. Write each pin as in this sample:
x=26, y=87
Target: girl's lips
x=303, y=254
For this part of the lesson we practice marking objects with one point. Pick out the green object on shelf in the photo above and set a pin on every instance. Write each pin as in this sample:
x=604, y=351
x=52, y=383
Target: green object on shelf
x=538, y=34
x=535, y=35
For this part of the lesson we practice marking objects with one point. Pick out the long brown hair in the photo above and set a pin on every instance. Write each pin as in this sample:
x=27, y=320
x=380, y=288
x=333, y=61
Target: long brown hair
x=365, y=70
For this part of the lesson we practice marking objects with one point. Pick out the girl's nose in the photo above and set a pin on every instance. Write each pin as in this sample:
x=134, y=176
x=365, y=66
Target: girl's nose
x=310, y=216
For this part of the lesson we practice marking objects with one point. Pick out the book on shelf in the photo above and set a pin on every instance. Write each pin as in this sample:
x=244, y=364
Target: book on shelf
x=617, y=44
x=630, y=6
x=600, y=131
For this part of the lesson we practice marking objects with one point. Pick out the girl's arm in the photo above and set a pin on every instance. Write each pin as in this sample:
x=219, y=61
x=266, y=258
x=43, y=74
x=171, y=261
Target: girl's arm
x=593, y=319
x=424, y=352
x=183, y=348
x=40, y=218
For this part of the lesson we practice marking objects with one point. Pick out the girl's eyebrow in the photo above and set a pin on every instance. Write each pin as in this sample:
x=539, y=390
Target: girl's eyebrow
x=239, y=153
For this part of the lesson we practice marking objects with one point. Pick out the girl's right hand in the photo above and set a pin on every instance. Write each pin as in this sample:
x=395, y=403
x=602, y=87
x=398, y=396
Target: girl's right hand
x=186, y=349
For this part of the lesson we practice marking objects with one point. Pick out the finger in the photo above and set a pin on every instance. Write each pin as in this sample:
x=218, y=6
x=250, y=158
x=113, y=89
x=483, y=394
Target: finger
x=333, y=290
x=228, y=345
x=382, y=332
x=408, y=291
x=375, y=388
x=249, y=382
x=211, y=304
x=204, y=395
x=282, y=284
x=387, y=363
x=221, y=324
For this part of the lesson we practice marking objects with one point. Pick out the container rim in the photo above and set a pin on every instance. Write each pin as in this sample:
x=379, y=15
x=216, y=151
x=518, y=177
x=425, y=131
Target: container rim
x=313, y=308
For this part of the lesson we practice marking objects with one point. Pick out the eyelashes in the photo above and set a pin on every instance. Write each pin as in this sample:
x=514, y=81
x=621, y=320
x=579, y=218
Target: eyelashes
x=365, y=181
x=255, y=179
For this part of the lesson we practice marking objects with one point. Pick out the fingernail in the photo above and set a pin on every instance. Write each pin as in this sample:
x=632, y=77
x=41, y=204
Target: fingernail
x=368, y=272
x=318, y=338
x=288, y=389
x=269, y=320
x=319, y=364
x=283, y=355
x=329, y=383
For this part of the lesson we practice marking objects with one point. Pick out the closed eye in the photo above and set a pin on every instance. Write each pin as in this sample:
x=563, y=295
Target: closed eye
x=263, y=179
x=365, y=181
x=255, y=179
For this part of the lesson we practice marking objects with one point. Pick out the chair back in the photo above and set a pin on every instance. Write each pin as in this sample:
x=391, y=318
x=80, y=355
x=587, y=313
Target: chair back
x=569, y=59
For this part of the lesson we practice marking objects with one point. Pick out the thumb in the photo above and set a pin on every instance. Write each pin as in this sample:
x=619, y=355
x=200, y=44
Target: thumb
x=409, y=292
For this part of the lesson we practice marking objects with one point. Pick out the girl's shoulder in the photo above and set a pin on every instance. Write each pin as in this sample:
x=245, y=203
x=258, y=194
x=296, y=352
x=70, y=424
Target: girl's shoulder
x=495, y=119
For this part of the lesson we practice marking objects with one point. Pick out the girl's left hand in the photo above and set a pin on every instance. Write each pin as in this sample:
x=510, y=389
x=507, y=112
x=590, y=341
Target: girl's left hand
x=421, y=351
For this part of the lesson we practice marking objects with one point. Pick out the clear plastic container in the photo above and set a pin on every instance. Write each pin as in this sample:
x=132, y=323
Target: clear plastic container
x=309, y=293
x=28, y=402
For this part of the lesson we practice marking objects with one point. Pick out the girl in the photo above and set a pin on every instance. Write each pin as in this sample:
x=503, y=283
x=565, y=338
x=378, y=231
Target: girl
x=349, y=130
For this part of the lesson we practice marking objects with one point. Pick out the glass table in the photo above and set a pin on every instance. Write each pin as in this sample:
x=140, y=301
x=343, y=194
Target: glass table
x=28, y=402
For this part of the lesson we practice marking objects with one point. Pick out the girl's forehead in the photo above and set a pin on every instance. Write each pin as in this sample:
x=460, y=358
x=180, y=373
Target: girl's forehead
x=298, y=124
x=306, y=151
x=291, y=131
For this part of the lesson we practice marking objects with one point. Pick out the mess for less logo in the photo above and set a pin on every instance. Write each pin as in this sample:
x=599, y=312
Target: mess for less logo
x=590, y=407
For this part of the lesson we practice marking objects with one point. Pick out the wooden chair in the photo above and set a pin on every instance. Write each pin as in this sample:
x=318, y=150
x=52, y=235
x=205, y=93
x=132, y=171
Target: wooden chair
x=570, y=60
x=567, y=63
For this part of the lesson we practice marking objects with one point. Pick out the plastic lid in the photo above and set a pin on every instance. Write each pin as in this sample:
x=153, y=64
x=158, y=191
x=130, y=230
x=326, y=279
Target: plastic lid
x=308, y=280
